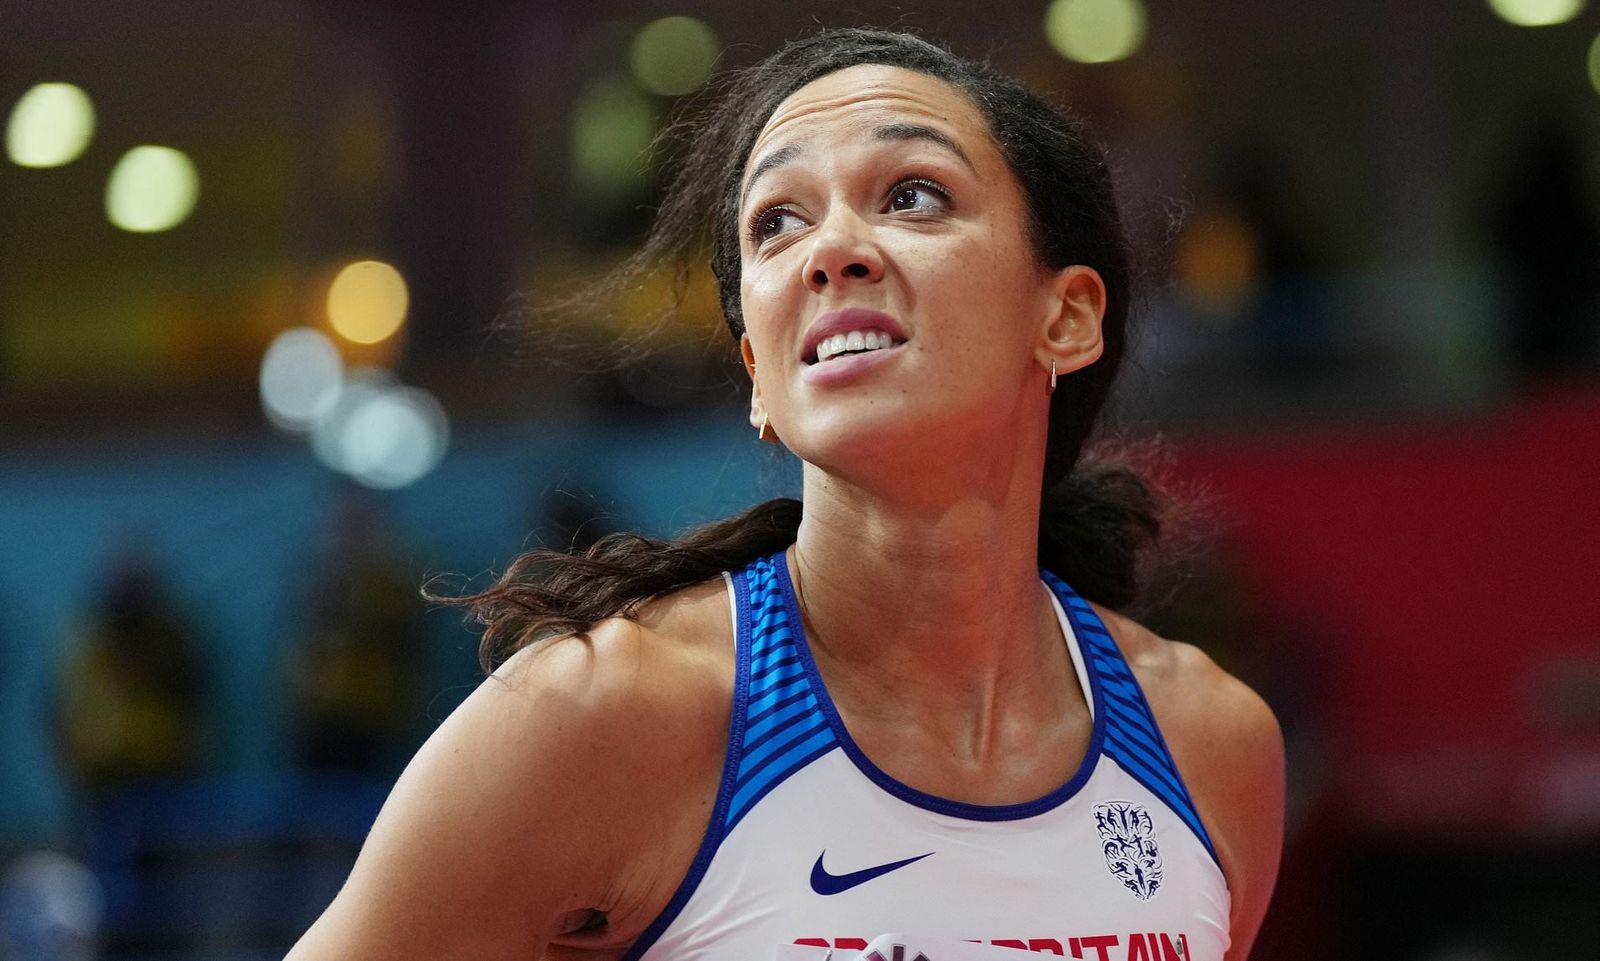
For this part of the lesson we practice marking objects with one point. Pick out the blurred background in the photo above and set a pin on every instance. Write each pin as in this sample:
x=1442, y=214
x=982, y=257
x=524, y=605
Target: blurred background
x=263, y=266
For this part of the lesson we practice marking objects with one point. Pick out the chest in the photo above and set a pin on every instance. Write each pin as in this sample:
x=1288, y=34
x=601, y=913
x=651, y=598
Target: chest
x=829, y=858
x=1003, y=767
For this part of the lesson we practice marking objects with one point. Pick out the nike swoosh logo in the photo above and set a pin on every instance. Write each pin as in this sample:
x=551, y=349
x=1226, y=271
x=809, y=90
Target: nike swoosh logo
x=824, y=883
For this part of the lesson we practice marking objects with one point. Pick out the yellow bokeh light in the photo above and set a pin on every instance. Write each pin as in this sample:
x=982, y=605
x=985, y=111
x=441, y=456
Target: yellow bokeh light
x=1218, y=262
x=1536, y=13
x=151, y=189
x=1095, y=31
x=50, y=126
x=673, y=55
x=367, y=302
x=1594, y=64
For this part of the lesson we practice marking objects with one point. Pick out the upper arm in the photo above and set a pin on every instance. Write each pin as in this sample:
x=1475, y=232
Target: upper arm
x=506, y=818
x=1232, y=754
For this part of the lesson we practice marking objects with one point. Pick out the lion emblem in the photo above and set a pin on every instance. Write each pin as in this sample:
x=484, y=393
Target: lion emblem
x=1128, y=840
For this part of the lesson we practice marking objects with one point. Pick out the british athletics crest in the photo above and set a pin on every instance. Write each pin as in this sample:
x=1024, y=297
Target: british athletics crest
x=1128, y=840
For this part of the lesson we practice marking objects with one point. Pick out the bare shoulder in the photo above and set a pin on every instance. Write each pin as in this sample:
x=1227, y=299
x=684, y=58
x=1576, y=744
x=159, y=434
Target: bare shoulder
x=1229, y=748
x=1218, y=716
x=694, y=622
x=524, y=808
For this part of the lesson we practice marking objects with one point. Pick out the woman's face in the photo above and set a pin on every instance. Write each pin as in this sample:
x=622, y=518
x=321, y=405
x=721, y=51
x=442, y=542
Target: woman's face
x=876, y=199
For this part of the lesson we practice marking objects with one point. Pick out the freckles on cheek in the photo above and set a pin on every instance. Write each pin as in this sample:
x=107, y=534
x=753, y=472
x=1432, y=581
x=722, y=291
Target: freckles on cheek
x=945, y=273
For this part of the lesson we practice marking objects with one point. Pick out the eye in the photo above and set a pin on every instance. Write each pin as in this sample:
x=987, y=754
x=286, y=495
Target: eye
x=768, y=223
x=918, y=193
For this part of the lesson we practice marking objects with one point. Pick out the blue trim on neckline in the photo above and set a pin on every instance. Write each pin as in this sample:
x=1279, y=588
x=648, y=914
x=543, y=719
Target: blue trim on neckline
x=716, y=830
x=921, y=799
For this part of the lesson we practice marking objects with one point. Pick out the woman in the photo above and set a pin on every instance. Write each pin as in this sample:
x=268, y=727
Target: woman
x=888, y=714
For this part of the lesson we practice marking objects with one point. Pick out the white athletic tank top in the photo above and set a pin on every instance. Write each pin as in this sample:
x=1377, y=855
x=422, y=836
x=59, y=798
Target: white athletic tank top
x=811, y=843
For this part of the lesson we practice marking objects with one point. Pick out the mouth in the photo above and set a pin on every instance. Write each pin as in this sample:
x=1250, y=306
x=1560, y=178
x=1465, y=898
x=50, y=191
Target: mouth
x=848, y=368
x=845, y=333
x=848, y=345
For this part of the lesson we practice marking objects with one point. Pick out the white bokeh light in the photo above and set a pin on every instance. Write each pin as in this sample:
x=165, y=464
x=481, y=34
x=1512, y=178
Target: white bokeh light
x=1536, y=13
x=51, y=125
x=151, y=189
x=301, y=376
x=1095, y=31
x=381, y=433
x=49, y=901
x=360, y=384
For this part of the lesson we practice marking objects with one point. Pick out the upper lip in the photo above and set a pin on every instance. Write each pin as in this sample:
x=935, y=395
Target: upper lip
x=850, y=318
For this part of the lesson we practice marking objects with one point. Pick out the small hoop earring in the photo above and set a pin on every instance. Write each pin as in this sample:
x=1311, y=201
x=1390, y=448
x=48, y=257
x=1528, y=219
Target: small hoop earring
x=765, y=431
x=1052, y=377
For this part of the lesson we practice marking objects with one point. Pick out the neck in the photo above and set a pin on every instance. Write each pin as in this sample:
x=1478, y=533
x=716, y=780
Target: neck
x=937, y=599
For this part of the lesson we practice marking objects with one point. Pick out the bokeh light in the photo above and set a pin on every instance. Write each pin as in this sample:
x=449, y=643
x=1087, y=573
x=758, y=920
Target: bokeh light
x=51, y=125
x=1594, y=64
x=1218, y=264
x=367, y=301
x=360, y=385
x=395, y=438
x=1095, y=31
x=382, y=434
x=613, y=123
x=50, y=907
x=1536, y=13
x=673, y=55
x=151, y=189
x=301, y=375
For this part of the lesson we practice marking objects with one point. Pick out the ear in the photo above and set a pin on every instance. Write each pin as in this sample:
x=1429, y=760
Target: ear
x=757, y=410
x=1071, y=334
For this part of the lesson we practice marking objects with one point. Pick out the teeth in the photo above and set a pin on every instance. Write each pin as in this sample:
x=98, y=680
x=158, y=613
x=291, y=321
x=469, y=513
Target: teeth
x=854, y=340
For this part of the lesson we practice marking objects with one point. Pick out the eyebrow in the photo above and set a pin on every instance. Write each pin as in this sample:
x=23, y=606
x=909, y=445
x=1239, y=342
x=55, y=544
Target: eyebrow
x=916, y=131
x=892, y=132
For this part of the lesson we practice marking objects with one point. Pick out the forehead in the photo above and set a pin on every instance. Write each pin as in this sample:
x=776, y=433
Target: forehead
x=855, y=98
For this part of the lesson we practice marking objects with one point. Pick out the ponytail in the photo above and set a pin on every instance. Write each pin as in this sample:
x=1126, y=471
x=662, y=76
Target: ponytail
x=546, y=593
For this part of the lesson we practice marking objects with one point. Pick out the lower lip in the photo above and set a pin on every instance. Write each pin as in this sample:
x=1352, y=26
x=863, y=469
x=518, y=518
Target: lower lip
x=844, y=369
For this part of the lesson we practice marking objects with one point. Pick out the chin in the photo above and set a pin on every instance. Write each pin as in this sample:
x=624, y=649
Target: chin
x=852, y=437
x=863, y=442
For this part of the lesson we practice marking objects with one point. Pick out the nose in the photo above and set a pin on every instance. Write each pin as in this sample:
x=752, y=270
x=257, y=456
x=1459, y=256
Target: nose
x=842, y=251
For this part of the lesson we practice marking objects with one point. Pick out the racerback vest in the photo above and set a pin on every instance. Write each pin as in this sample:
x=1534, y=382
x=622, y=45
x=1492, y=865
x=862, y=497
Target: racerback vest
x=811, y=843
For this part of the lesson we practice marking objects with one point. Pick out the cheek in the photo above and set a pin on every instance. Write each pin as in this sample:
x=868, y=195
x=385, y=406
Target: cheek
x=757, y=286
x=761, y=300
x=981, y=292
x=766, y=290
x=1003, y=269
